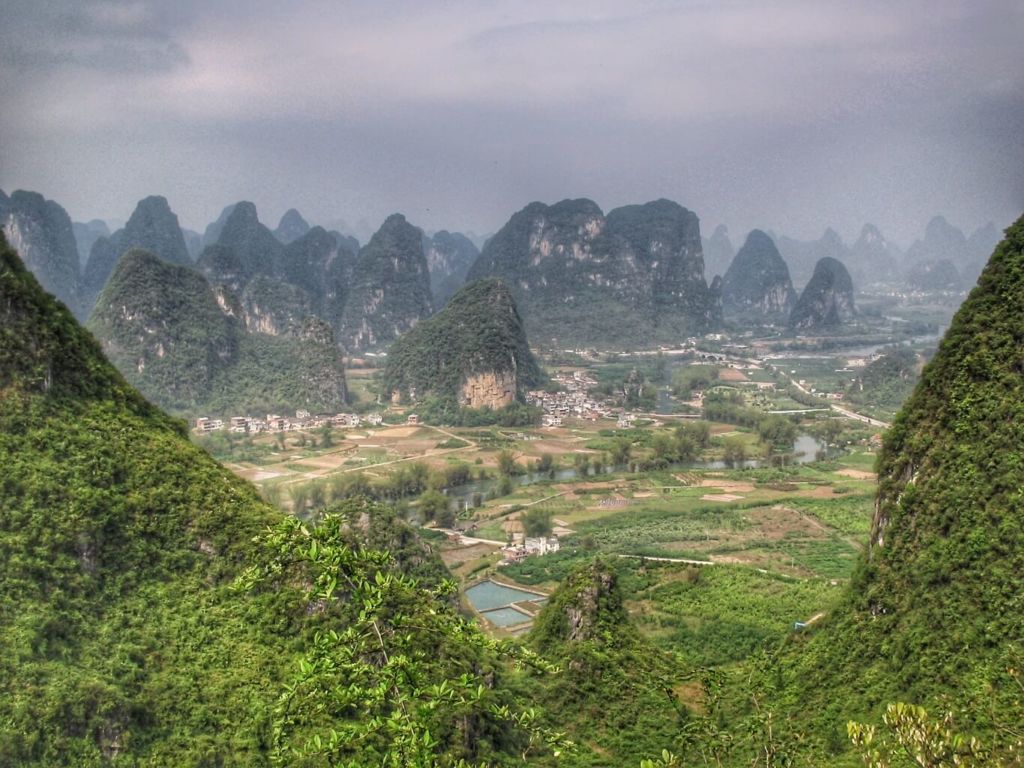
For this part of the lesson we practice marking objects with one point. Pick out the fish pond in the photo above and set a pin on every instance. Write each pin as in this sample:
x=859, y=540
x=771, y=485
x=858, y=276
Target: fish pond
x=504, y=606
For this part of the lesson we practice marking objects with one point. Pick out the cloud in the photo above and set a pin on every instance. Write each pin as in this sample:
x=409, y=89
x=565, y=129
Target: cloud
x=794, y=114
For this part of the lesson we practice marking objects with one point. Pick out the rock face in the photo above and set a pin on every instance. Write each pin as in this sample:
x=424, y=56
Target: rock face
x=489, y=390
x=42, y=234
x=161, y=326
x=86, y=234
x=153, y=227
x=802, y=256
x=212, y=232
x=587, y=606
x=632, y=277
x=258, y=251
x=827, y=301
x=449, y=257
x=188, y=346
x=873, y=259
x=390, y=287
x=756, y=287
x=941, y=275
x=291, y=227
x=473, y=353
x=718, y=251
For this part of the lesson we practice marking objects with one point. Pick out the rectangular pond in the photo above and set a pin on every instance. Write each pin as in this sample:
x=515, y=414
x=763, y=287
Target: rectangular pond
x=505, y=617
x=488, y=595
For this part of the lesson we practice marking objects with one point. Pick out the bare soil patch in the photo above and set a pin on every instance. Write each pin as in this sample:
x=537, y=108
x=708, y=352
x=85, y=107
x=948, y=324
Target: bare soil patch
x=857, y=474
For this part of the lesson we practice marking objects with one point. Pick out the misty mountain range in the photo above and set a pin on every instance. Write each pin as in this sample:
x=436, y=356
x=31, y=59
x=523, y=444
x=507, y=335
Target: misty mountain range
x=647, y=266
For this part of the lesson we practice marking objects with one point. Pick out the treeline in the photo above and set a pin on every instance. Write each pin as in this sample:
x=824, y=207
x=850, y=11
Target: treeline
x=448, y=412
x=729, y=407
x=406, y=482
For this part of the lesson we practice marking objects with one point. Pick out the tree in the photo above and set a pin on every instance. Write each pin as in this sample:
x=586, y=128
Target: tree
x=663, y=446
x=620, y=451
x=507, y=463
x=396, y=677
x=831, y=430
x=537, y=522
x=913, y=738
x=545, y=464
x=735, y=452
x=581, y=463
x=326, y=436
x=433, y=504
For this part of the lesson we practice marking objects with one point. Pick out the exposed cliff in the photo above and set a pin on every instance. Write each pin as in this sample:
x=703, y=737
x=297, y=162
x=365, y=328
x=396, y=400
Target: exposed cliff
x=42, y=234
x=473, y=352
x=291, y=227
x=756, y=287
x=633, y=277
x=827, y=300
x=390, y=287
x=162, y=327
x=617, y=692
x=188, y=347
x=152, y=227
x=449, y=257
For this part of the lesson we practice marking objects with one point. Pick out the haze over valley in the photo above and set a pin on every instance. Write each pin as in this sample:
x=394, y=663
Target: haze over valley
x=459, y=384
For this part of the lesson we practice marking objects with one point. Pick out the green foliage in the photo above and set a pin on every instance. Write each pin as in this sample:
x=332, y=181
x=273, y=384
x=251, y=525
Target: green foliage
x=394, y=676
x=478, y=332
x=390, y=289
x=886, y=382
x=688, y=379
x=615, y=694
x=537, y=521
x=162, y=327
x=118, y=540
x=935, y=599
x=913, y=739
x=638, y=265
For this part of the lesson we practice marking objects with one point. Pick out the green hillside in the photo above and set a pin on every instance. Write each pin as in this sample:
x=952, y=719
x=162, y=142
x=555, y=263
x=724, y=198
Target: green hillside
x=934, y=613
x=478, y=332
x=142, y=622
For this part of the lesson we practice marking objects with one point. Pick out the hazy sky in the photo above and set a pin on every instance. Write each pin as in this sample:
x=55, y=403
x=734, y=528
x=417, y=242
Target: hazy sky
x=790, y=115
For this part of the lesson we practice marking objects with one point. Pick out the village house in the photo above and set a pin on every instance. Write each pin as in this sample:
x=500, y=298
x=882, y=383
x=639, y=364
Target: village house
x=346, y=420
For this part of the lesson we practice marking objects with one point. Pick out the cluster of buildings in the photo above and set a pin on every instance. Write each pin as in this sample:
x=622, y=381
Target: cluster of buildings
x=274, y=423
x=528, y=547
x=573, y=400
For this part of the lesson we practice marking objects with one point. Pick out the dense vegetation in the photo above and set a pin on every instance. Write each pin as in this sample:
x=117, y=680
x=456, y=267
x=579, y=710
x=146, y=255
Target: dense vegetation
x=756, y=287
x=390, y=290
x=615, y=695
x=163, y=327
x=478, y=332
x=827, y=299
x=933, y=613
x=579, y=277
x=144, y=623
x=886, y=382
